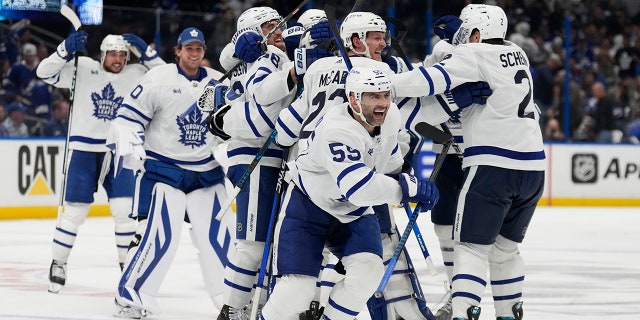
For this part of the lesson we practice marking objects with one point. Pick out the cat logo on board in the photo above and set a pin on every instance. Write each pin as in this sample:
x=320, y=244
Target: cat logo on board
x=584, y=168
x=36, y=170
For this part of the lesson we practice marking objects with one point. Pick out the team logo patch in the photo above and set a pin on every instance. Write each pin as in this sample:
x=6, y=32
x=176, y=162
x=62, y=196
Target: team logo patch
x=193, y=129
x=584, y=168
x=106, y=104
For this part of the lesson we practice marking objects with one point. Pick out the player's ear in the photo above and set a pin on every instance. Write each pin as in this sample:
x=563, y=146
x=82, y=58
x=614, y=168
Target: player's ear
x=352, y=101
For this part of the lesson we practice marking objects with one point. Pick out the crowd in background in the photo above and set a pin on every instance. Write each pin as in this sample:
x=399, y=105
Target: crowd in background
x=603, y=59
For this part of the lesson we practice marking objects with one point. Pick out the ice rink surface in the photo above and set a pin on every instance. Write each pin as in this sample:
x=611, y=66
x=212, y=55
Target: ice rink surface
x=581, y=263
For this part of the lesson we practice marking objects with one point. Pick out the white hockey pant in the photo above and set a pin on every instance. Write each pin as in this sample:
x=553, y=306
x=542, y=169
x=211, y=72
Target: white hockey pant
x=349, y=296
x=445, y=237
x=241, y=273
x=470, y=276
x=506, y=270
x=291, y=296
x=68, y=224
x=125, y=227
x=328, y=277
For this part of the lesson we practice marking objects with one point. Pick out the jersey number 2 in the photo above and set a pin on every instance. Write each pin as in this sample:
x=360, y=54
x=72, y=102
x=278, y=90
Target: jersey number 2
x=521, y=75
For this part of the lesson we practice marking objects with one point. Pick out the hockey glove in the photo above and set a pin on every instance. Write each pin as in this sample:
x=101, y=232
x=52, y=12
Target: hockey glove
x=469, y=93
x=291, y=38
x=215, y=122
x=248, y=45
x=305, y=57
x=320, y=33
x=213, y=96
x=139, y=47
x=126, y=143
x=75, y=42
x=423, y=192
x=446, y=27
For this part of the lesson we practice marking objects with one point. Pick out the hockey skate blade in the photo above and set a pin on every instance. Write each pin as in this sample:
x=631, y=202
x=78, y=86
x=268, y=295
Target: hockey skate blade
x=54, y=287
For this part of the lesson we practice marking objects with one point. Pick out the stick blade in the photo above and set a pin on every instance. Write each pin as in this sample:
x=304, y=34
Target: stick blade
x=71, y=16
x=433, y=133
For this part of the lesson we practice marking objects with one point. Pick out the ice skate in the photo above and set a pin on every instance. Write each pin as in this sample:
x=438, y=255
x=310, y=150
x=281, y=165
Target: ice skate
x=57, y=276
x=129, y=312
x=517, y=312
x=231, y=313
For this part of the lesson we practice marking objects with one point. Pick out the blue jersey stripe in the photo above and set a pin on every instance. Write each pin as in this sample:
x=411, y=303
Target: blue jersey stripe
x=447, y=79
x=348, y=170
x=286, y=129
x=428, y=77
x=247, y=115
x=359, y=185
x=136, y=111
x=162, y=158
x=511, y=154
x=87, y=140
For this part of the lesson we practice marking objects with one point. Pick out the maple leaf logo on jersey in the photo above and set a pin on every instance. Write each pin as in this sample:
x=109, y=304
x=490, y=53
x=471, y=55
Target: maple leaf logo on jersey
x=193, y=129
x=106, y=105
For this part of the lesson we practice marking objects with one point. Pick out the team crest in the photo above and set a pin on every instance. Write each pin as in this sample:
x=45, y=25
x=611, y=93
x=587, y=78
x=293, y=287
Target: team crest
x=106, y=105
x=193, y=129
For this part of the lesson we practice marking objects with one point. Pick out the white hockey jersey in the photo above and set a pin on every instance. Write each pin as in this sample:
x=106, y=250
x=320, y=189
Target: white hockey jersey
x=249, y=123
x=505, y=132
x=98, y=95
x=156, y=104
x=323, y=89
x=342, y=169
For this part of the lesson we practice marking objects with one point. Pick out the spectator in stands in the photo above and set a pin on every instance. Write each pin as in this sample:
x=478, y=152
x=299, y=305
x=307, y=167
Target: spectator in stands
x=598, y=123
x=18, y=35
x=3, y=115
x=58, y=125
x=543, y=82
x=627, y=58
x=527, y=43
x=29, y=89
x=14, y=123
x=633, y=130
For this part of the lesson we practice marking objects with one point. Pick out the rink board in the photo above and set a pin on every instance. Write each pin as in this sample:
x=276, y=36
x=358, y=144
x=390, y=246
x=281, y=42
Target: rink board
x=577, y=175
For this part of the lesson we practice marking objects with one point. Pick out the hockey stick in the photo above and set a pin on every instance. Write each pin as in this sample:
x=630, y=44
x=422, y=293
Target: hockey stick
x=264, y=42
x=402, y=32
x=330, y=11
x=266, y=253
x=439, y=136
x=246, y=175
x=75, y=21
x=423, y=247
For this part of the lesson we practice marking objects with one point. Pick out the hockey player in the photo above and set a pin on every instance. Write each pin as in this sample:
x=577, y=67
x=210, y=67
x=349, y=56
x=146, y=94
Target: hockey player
x=504, y=161
x=100, y=87
x=181, y=179
x=334, y=182
x=364, y=35
x=270, y=86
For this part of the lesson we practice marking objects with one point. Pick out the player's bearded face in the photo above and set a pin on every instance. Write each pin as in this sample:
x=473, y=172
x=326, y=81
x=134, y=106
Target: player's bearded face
x=374, y=106
x=114, y=61
x=276, y=38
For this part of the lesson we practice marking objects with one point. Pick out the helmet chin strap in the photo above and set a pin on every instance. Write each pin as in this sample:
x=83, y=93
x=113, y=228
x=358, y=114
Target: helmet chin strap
x=360, y=114
x=365, y=53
